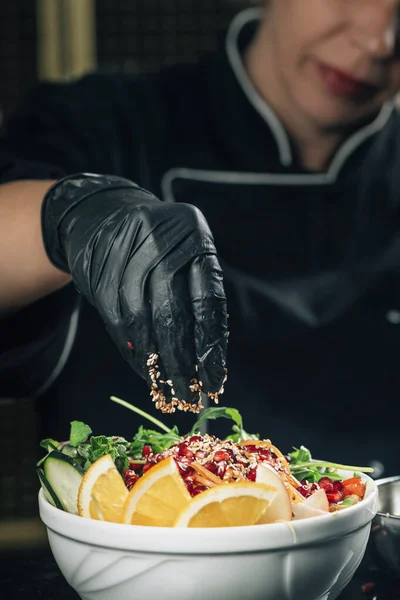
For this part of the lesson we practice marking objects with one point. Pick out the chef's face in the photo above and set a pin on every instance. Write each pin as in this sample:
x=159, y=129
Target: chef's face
x=338, y=59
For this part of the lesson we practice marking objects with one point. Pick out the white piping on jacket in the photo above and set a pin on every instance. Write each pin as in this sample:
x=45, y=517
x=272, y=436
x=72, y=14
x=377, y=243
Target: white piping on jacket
x=65, y=353
x=267, y=113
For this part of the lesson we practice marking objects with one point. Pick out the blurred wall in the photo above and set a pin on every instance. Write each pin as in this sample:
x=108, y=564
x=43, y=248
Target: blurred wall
x=17, y=51
x=145, y=34
x=59, y=39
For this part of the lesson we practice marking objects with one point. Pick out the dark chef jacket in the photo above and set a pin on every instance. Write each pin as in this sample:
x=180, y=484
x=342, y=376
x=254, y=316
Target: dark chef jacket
x=311, y=260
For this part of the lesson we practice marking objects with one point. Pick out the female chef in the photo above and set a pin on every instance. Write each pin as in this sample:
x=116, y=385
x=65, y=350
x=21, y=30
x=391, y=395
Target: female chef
x=136, y=212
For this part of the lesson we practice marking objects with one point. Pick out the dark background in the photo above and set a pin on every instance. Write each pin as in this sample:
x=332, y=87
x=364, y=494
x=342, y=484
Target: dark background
x=131, y=36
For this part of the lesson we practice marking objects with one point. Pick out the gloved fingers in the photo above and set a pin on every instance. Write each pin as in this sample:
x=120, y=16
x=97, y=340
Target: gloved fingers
x=146, y=347
x=209, y=308
x=139, y=343
x=174, y=334
x=131, y=330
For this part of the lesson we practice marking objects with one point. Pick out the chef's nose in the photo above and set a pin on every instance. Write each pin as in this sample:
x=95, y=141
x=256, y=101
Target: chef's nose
x=375, y=27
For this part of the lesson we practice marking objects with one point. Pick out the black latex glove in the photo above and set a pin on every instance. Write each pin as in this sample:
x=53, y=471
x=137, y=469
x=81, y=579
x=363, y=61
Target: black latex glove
x=150, y=269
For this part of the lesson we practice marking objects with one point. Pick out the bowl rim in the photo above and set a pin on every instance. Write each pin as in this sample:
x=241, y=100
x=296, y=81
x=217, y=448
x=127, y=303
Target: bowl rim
x=380, y=483
x=206, y=541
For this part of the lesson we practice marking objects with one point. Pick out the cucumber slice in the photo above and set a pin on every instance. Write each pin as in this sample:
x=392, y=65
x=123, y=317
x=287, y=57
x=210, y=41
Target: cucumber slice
x=64, y=476
x=48, y=491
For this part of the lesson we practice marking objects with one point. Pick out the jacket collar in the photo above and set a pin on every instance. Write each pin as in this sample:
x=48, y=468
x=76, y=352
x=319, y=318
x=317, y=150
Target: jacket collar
x=242, y=28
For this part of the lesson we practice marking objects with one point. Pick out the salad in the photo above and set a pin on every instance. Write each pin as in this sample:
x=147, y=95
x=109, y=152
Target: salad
x=163, y=478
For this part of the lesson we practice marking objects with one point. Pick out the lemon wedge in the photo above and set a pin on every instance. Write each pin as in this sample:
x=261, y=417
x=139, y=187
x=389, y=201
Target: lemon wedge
x=102, y=493
x=229, y=505
x=158, y=497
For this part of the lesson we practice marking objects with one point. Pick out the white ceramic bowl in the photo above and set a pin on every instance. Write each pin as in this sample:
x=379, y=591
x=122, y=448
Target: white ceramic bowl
x=313, y=559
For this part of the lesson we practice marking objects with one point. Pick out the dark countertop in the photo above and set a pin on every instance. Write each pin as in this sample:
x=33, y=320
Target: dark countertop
x=34, y=575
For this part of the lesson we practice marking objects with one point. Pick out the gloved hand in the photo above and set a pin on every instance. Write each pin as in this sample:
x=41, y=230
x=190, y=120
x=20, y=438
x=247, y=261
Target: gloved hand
x=150, y=269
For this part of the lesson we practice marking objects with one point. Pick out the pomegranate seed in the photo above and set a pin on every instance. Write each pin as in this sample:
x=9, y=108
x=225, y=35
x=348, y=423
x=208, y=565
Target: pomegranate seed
x=184, y=450
x=190, y=488
x=196, y=492
x=183, y=467
x=146, y=451
x=194, y=438
x=251, y=448
x=221, y=455
x=334, y=497
x=135, y=466
x=337, y=486
x=304, y=490
x=326, y=484
x=147, y=466
x=252, y=474
x=200, y=454
x=130, y=478
x=368, y=587
x=265, y=454
x=221, y=470
x=211, y=466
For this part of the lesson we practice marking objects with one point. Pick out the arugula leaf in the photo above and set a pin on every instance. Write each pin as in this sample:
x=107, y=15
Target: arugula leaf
x=158, y=441
x=310, y=475
x=331, y=465
x=217, y=412
x=300, y=455
x=240, y=434
x=80, y=432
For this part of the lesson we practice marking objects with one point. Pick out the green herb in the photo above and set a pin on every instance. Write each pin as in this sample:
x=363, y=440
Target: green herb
x=149, y=437
x=349, y=501
x=86, y=449
x=49, y=444
x=69, y=450
x=304, y=468
x=331, y=465
x=217, y=412
x=300, y=455
x=100, y=445
x=80, y=432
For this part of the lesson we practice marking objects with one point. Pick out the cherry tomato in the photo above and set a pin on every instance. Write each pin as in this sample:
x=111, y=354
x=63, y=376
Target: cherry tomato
x=353, y=487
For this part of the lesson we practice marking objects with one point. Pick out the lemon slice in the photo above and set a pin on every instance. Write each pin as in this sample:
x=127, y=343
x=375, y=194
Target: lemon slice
x=229, y=505
x=102, y=493
x=158, y=497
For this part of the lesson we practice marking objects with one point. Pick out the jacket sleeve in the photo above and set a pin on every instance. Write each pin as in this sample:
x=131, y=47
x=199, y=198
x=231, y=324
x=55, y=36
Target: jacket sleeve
x=85, y=126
